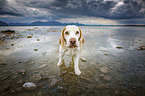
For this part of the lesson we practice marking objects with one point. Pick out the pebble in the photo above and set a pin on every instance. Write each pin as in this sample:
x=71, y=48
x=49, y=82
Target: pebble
x=119, y=47
x=42, y=66
x=83, y=59
x=29, y=86
x=141, y=48
x=104, y=70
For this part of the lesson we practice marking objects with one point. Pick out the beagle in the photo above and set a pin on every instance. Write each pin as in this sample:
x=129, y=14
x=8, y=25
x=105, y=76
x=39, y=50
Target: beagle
x=71, y=40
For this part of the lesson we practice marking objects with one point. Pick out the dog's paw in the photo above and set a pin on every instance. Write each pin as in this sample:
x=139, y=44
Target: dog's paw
x=78, y=72
x=58, y=64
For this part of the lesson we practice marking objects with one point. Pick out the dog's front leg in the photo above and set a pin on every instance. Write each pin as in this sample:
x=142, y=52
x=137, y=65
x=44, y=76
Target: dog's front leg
x=61, y=55
x=76, y=67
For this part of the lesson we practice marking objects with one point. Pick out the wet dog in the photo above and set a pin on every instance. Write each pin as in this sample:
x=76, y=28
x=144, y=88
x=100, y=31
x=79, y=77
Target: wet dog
x=71, y=40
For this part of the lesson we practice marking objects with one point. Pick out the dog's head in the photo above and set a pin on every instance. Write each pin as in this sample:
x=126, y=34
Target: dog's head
x=71, y=37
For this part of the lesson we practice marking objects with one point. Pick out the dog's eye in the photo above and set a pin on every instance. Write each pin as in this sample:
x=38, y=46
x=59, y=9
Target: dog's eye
x=77, y=32
x=66, y=33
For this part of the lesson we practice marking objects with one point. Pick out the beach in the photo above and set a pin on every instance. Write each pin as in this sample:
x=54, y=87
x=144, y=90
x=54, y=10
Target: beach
x=113, y=66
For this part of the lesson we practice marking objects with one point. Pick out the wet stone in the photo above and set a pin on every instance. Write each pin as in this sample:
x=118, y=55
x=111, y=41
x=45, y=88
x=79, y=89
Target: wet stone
x=119, y=47
x=141, y=48
x=35, y=49
x=104, y=70
x=29, y=86
x=83, y=59
x=43, y=66
x=3, y=63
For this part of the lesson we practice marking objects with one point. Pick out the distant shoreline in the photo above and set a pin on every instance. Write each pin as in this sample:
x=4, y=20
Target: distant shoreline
x=78, y=25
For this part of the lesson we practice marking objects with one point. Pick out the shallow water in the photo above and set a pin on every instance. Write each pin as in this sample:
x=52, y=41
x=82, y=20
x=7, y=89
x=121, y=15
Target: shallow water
x=114, y=66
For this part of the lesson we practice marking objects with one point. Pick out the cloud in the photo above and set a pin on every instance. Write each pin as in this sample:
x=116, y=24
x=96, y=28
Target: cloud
x=61, y=9
x=89, y=21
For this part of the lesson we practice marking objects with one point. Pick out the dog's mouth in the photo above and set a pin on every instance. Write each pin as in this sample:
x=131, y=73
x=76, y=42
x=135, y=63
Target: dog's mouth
x=72, y=46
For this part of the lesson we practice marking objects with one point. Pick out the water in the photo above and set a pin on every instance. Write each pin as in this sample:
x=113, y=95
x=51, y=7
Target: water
x=108, y=71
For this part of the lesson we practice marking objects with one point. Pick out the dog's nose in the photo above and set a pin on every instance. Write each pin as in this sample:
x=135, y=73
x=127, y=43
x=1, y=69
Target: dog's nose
x=72, y=40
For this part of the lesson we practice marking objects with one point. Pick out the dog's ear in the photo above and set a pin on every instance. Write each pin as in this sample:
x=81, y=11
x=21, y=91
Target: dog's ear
x=81, y=38
x=62, y=40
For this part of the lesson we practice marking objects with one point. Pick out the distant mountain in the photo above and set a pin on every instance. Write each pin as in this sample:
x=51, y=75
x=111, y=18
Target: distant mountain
x=3, y=23
x=52, y=23
x=18, y=24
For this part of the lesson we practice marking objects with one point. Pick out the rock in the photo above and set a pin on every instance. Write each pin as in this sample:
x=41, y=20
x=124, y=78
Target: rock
x=35, y=49
x=3, y=63
x=141, y=48
x=38, y=39
x=8, y=31
x=29, y=86
x=106, y=54
x=83, y=59
x=29, y=36
x=42, y=66
x=119, y=47
x=104, y=70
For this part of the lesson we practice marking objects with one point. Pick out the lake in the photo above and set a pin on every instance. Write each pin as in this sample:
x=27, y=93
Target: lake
x=113, y=67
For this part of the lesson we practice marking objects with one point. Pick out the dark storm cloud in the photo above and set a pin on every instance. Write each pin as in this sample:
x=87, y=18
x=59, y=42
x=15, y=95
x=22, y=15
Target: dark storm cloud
x=57, y=9
x=130, y=9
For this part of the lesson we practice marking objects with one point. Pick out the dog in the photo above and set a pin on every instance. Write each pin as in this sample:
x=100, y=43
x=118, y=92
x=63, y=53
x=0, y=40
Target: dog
x=71, y=40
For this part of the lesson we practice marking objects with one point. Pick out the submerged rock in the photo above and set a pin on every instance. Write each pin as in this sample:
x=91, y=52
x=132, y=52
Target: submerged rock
x=8, y=31
x=3, y=63
x=29, y=86
x=42, y=66
x=104, y=70
x=35, y=49
x=141, y=48
x=119, y=47
x=83, y=59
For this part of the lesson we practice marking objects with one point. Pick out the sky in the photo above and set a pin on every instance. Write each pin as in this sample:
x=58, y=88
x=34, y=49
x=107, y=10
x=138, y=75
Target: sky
x=90, y=12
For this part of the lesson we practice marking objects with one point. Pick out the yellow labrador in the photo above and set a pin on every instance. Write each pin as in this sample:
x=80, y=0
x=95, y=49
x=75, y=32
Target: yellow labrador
x=71, y=40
